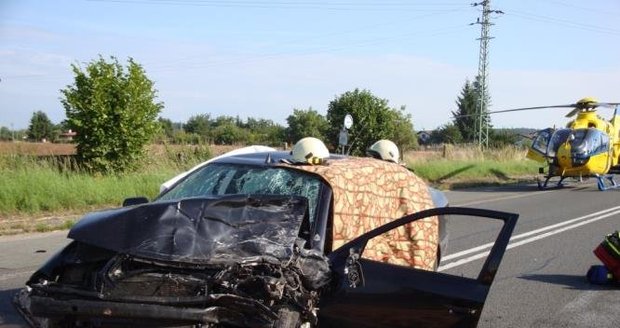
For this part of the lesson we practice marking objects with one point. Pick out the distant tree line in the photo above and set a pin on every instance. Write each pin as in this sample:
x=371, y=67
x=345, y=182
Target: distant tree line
x=40, y=129
x=6, y=134
x=373, y=120
x=114, y=110
x=221, y=130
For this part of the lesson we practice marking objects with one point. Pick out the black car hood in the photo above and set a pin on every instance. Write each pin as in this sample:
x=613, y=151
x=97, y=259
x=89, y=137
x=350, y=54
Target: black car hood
x=199, y=230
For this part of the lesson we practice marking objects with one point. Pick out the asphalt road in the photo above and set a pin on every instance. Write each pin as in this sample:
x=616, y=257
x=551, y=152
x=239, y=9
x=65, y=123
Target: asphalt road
x=541, y=281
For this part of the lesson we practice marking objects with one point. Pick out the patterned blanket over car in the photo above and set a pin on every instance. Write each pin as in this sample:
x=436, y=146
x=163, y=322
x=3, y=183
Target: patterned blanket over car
x=368, y=193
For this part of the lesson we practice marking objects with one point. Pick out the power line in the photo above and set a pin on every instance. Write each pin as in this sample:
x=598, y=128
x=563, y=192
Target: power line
x=563, y=22
x=605, y=11
x=349, y=6
x=324, y=49
x=173, y=65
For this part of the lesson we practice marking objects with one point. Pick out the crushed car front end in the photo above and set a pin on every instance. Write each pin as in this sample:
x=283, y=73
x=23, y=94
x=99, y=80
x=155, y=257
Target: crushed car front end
x=188, y=262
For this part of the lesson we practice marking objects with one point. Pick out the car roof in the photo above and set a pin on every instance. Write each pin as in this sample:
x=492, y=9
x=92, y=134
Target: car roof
x=266, y=158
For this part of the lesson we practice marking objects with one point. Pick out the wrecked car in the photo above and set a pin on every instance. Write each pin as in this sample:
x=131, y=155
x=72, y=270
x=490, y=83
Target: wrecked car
x=253, y=240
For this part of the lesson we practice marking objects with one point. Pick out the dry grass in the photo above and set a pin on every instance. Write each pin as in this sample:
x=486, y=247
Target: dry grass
x=451, y=167
x=54, y=149
x=36, y=148
x=465, y=153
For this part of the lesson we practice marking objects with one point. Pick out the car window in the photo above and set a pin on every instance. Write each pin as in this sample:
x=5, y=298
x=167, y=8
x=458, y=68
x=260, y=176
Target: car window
x=227, y=179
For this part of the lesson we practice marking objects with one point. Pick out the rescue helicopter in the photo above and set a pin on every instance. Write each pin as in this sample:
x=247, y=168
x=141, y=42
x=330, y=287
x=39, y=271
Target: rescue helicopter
x=589, y=146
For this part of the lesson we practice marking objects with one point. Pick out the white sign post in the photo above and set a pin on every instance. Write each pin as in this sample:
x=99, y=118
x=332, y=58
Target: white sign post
x=343, y=137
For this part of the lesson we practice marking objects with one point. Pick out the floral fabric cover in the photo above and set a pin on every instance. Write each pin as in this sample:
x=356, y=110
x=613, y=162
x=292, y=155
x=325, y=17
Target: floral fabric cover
x=368, y=193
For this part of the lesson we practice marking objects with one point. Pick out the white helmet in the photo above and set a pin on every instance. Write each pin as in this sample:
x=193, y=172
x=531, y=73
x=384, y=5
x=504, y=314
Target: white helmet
x=384, y=149
x=310, y=150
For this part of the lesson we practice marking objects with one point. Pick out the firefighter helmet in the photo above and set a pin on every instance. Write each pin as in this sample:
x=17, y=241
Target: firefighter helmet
x=310, y=150
x=384, y=149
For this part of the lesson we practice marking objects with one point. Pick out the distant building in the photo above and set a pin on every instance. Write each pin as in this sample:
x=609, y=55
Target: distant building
x=67, y=136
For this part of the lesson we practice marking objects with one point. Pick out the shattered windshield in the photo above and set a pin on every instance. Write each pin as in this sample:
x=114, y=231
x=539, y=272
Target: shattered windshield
x=229, y=179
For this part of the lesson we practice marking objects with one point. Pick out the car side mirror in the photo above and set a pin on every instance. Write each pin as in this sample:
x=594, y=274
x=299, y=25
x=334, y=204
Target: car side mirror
x=135, y=201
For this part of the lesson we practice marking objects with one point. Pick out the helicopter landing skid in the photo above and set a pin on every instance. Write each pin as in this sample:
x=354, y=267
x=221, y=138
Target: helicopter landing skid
x=543, y=185
x=603, y=186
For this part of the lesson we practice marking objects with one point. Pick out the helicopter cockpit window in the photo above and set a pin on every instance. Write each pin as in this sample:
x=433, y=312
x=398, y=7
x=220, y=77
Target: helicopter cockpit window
x=559, y=137
x=541, y=141
x=588, y=142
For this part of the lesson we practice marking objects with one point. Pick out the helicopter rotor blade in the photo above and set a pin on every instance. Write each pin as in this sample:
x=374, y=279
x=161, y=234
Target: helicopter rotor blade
x=573, y=112
x=607, y=104
x=518, y=110
x=576, y=108
x=531, y=108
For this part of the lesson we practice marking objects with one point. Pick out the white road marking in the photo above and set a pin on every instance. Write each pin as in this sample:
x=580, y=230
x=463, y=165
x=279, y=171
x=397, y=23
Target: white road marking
x=16, y=273
x=487, y=200
x=538, y=234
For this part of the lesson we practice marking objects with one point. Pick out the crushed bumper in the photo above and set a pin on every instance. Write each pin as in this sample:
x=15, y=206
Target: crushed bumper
x=221, y=309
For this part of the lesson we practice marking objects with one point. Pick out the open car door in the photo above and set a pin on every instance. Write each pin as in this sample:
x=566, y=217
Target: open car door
x=375, y=294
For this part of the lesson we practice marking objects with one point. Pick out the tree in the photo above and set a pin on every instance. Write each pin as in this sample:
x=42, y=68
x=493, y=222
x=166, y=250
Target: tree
x=114, y=111
x=262, y=131
x=466, y=117
x=166, y=126
x=228, y=133
x=503, y=138
x=5, y=134
x=404, y=135
x=199, y=124
x=448, y=133
x=373, y=120
x=226, y=120
x=40, y=127
x=166, y=131
x=305, y=123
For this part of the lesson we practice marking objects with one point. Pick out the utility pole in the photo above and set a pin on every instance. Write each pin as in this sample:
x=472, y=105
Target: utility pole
x=482, y=126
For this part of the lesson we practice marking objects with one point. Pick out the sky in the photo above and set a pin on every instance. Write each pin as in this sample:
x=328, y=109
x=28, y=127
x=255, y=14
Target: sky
x=263, y=59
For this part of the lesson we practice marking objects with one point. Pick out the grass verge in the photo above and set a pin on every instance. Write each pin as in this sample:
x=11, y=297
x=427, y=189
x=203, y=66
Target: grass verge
x=449, y=172
x=41, y=194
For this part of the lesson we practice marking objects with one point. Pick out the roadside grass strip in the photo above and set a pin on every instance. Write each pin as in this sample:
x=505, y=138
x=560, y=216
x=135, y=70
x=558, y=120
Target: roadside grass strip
x=479, y=252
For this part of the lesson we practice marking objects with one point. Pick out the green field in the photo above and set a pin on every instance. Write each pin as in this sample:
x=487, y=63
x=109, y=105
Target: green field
x=34, y=188
x=462, y=167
